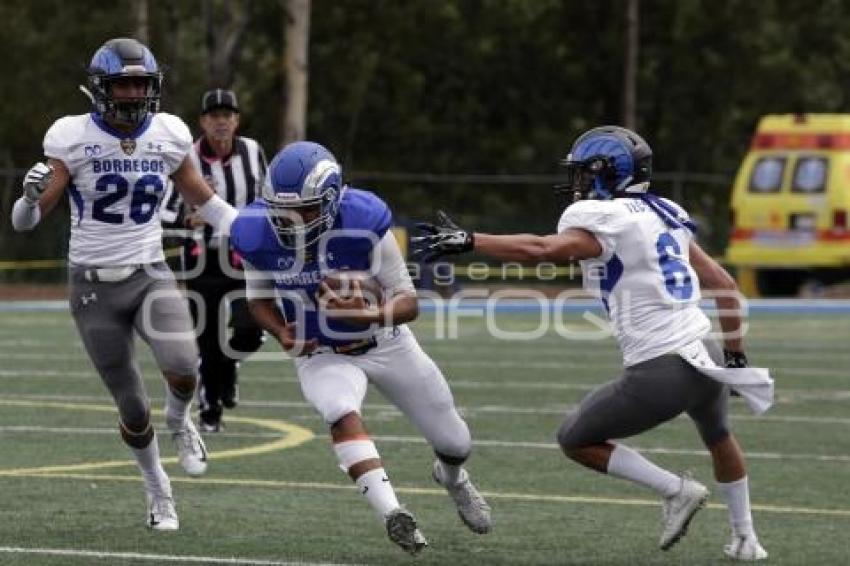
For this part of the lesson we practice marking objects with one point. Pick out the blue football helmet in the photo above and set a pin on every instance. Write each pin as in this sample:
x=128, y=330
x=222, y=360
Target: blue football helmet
x=120, y=58
x=607, y=162
x=303, y=188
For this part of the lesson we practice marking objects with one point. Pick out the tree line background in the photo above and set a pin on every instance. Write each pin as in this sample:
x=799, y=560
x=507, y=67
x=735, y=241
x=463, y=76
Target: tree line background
x=464, y=105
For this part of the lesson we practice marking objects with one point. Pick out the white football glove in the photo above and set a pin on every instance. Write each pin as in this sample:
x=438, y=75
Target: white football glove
x=36, y=181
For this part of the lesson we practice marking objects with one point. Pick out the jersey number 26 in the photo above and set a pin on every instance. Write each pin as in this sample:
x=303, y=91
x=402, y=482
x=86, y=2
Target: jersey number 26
x=143, y=202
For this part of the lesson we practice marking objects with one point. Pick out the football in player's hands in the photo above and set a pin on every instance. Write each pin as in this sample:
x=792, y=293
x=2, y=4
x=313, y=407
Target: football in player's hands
x=342, y=283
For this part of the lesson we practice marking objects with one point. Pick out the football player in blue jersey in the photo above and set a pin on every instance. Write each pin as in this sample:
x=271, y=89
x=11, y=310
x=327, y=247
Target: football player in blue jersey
x=299, y=243
x=638, y=254
x=114, y=163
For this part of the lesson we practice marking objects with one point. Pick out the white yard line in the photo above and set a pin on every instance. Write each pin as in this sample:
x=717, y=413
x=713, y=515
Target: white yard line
x=843, y=458
x=564, y=365
x=646, y=450
x=783, y=394
x=469, y=410
x=510, y=496
x=158, y=558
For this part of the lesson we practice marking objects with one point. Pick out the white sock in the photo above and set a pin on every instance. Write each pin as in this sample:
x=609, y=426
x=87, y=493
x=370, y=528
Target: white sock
x=737, y=497
x=627, y=464
x=375, y=485
x=176, y=411
x=449, y=474
x=147, y=458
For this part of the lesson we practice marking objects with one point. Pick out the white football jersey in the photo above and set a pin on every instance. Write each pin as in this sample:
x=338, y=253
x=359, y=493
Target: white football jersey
x=117, y=182
x=643, y=276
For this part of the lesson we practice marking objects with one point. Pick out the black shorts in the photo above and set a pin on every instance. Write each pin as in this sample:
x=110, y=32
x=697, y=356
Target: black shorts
x=646, y=395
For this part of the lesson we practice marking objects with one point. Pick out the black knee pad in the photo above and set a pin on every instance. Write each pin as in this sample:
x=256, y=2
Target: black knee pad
x=134, y=412
x=452, y=460
x=136, y=428
x=182, y=386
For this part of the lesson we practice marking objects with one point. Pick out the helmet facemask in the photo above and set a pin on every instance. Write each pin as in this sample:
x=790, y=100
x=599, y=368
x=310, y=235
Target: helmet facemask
x=300, y=222
x=130, y=111
x=586, y=179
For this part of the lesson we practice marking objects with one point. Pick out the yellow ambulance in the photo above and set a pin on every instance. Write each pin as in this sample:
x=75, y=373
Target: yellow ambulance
x=790, y=204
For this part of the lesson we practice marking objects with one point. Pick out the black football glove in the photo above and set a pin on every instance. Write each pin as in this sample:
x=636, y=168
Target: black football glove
x=440, y=239
x=734, y=359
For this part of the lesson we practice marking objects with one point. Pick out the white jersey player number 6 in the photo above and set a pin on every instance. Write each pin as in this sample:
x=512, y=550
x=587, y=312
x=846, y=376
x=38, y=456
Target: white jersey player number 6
x=677, y=278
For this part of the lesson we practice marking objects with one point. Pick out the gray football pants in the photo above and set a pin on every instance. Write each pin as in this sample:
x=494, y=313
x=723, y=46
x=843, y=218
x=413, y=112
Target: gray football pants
x=336, y=384
x=646, y=395
x=108, y=314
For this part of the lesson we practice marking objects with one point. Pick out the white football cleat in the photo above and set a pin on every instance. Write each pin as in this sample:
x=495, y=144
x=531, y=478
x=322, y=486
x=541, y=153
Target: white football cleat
x=161, y=513
x=679, y=509
x=745, y=548
x=402, y=530
x=191, y=450
x=471, y=506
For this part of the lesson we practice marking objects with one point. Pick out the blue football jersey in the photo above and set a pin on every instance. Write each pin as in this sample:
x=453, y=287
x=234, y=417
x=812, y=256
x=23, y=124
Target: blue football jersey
x=362, y=221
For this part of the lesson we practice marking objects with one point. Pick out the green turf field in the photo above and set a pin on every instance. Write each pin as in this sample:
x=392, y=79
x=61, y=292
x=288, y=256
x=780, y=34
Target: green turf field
x=274, y=495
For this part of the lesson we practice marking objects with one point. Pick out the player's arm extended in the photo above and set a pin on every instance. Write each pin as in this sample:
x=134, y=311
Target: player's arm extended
x=713, y=277
x=571, y=244
x=447, y=238
x=196, y=192
x=27, y=214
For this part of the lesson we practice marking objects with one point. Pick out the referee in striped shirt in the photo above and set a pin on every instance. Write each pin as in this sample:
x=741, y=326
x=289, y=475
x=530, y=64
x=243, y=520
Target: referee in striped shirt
x=234, y=167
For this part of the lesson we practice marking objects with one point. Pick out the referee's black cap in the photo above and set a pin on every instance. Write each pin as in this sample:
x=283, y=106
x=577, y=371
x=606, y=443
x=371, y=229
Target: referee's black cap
x=219, y=98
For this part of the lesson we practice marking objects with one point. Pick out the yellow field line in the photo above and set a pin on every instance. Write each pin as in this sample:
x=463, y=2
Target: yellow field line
x=543, y=498
x=293, y=435
x=478, y=272
x=9, y=265
x=32, y=264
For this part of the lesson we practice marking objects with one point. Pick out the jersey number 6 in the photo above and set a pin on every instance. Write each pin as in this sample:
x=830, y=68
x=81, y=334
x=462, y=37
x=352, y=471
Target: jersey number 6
x=677, y=278
x=142, y=203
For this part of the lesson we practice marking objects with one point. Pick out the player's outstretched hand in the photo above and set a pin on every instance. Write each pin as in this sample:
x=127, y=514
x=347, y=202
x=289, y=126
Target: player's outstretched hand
x=36, y=181
x=353, y=307
x=294, y=346
x=441, y=239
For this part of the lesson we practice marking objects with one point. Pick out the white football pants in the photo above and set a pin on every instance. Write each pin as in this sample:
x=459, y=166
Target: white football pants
x=335, y=384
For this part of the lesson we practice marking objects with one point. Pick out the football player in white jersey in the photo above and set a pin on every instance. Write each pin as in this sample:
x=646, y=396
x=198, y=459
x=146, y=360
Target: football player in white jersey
x=114, y=163
x=638, y=255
